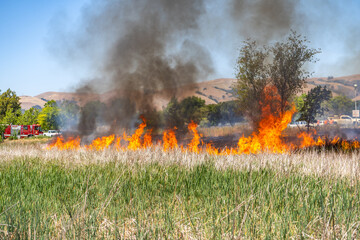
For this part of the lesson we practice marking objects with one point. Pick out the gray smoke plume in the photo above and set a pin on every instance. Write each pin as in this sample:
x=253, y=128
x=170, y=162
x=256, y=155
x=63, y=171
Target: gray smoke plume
x=139, y=48
x=264, y=20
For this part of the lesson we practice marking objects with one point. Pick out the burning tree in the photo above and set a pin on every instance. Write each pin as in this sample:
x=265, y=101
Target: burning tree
x=286, y=70
x=280, y=66
x=252, y=79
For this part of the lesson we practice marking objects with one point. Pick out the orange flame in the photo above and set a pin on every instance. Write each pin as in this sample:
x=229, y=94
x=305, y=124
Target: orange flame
x=147, y=139
x=335, y=140
x=134, y=140
x=269, y=136
x=169, y=140
x=307, y=139
x=195, y=142
x=101, y=143
x=212, y=150
x=356, y=144
x=71, y=143
x=118, y=143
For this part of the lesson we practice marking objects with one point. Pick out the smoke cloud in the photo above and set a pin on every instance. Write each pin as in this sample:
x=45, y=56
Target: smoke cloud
x=137, y=49
x=264, y=20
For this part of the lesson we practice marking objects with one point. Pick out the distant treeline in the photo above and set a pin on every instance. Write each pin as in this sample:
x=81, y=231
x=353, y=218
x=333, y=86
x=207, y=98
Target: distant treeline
x=65, y=114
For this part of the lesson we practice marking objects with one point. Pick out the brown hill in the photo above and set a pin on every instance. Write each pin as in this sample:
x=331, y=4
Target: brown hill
x=28, y=102
x=213, y=91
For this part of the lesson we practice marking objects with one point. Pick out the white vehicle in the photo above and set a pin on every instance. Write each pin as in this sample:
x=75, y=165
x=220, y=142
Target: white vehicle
x=343, y=120
x=298, y=124
x=52, y=133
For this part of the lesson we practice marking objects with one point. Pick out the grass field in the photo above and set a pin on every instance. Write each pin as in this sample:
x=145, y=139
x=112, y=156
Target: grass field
x=149, y=194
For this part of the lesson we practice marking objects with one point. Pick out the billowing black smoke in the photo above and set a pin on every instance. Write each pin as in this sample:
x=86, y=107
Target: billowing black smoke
x=140, y=48
x=264, y=20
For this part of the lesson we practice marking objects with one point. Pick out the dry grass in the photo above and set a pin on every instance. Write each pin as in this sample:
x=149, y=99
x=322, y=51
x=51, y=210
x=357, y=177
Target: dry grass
x=323, y=164
x=150, y=193
x=215, y=131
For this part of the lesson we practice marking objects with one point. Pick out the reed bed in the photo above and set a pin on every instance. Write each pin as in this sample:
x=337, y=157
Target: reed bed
x=151, y=194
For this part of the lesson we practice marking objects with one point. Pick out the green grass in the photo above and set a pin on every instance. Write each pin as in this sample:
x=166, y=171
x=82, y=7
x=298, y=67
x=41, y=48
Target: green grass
x=52, y=200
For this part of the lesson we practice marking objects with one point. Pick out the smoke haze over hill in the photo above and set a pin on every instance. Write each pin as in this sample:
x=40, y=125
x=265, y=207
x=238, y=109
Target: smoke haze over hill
x=141, y=47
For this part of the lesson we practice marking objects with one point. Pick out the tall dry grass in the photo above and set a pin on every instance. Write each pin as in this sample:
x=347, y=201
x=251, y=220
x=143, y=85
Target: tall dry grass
x=320, y=164
x=151, y=194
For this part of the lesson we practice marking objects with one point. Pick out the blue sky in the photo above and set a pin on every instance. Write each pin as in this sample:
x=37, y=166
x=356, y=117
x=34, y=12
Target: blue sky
x=30, y=68
x=26, y=64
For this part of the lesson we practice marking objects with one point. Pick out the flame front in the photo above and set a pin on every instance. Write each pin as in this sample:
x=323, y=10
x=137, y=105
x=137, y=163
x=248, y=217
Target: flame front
x=195, y=142
x=169, y=140
x=268, y=138
x=70, y=144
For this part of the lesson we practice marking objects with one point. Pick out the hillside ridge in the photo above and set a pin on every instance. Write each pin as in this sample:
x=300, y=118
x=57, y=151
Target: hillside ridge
x=212, y=91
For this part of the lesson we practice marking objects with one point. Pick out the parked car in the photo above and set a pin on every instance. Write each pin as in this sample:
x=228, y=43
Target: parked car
x=298, y=124
x=52, y=133
x=344, y=120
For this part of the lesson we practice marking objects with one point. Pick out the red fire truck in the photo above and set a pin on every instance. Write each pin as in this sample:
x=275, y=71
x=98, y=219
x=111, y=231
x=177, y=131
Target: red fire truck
x=22, y=131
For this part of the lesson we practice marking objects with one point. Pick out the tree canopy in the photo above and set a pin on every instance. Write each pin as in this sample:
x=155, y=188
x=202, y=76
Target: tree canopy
x=9, y=104
x=340, y=105
x=252, y=78
x=313, y=106
x=30, y=116
x=287, y=70
x=279, y=67
x=179, y=114
x=49, y=116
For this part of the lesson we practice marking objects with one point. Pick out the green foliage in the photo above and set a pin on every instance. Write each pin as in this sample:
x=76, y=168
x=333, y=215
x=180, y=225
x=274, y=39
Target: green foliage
x=30, y=116
x=179, y=114
x=299, y=101
x=9, y=101
x=2, y=130
x=12, y=117
x=192, y=109
x=252, y=78
x=340, y=105
x=172, y=114
x=280, y=65
x=286, y=70
x=213, y=114
x=49, y=116
x=224, y=112
x=313, y=104
x=69, y=113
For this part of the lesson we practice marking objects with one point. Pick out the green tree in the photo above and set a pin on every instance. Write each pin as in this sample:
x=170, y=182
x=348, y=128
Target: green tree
x=252, y=78
x=12, y=117
x=192, y=109
x=340, y=105
x=179, y=114
x=286, y=70
x=69, y=114
x=9, y=101
x=313, y=104
x=172, y=114
x=230, y=113
x=214, y=114
x=30, y=116
x=2, y=130
x=49, y=116
x=279, y=68
x=299, y=103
